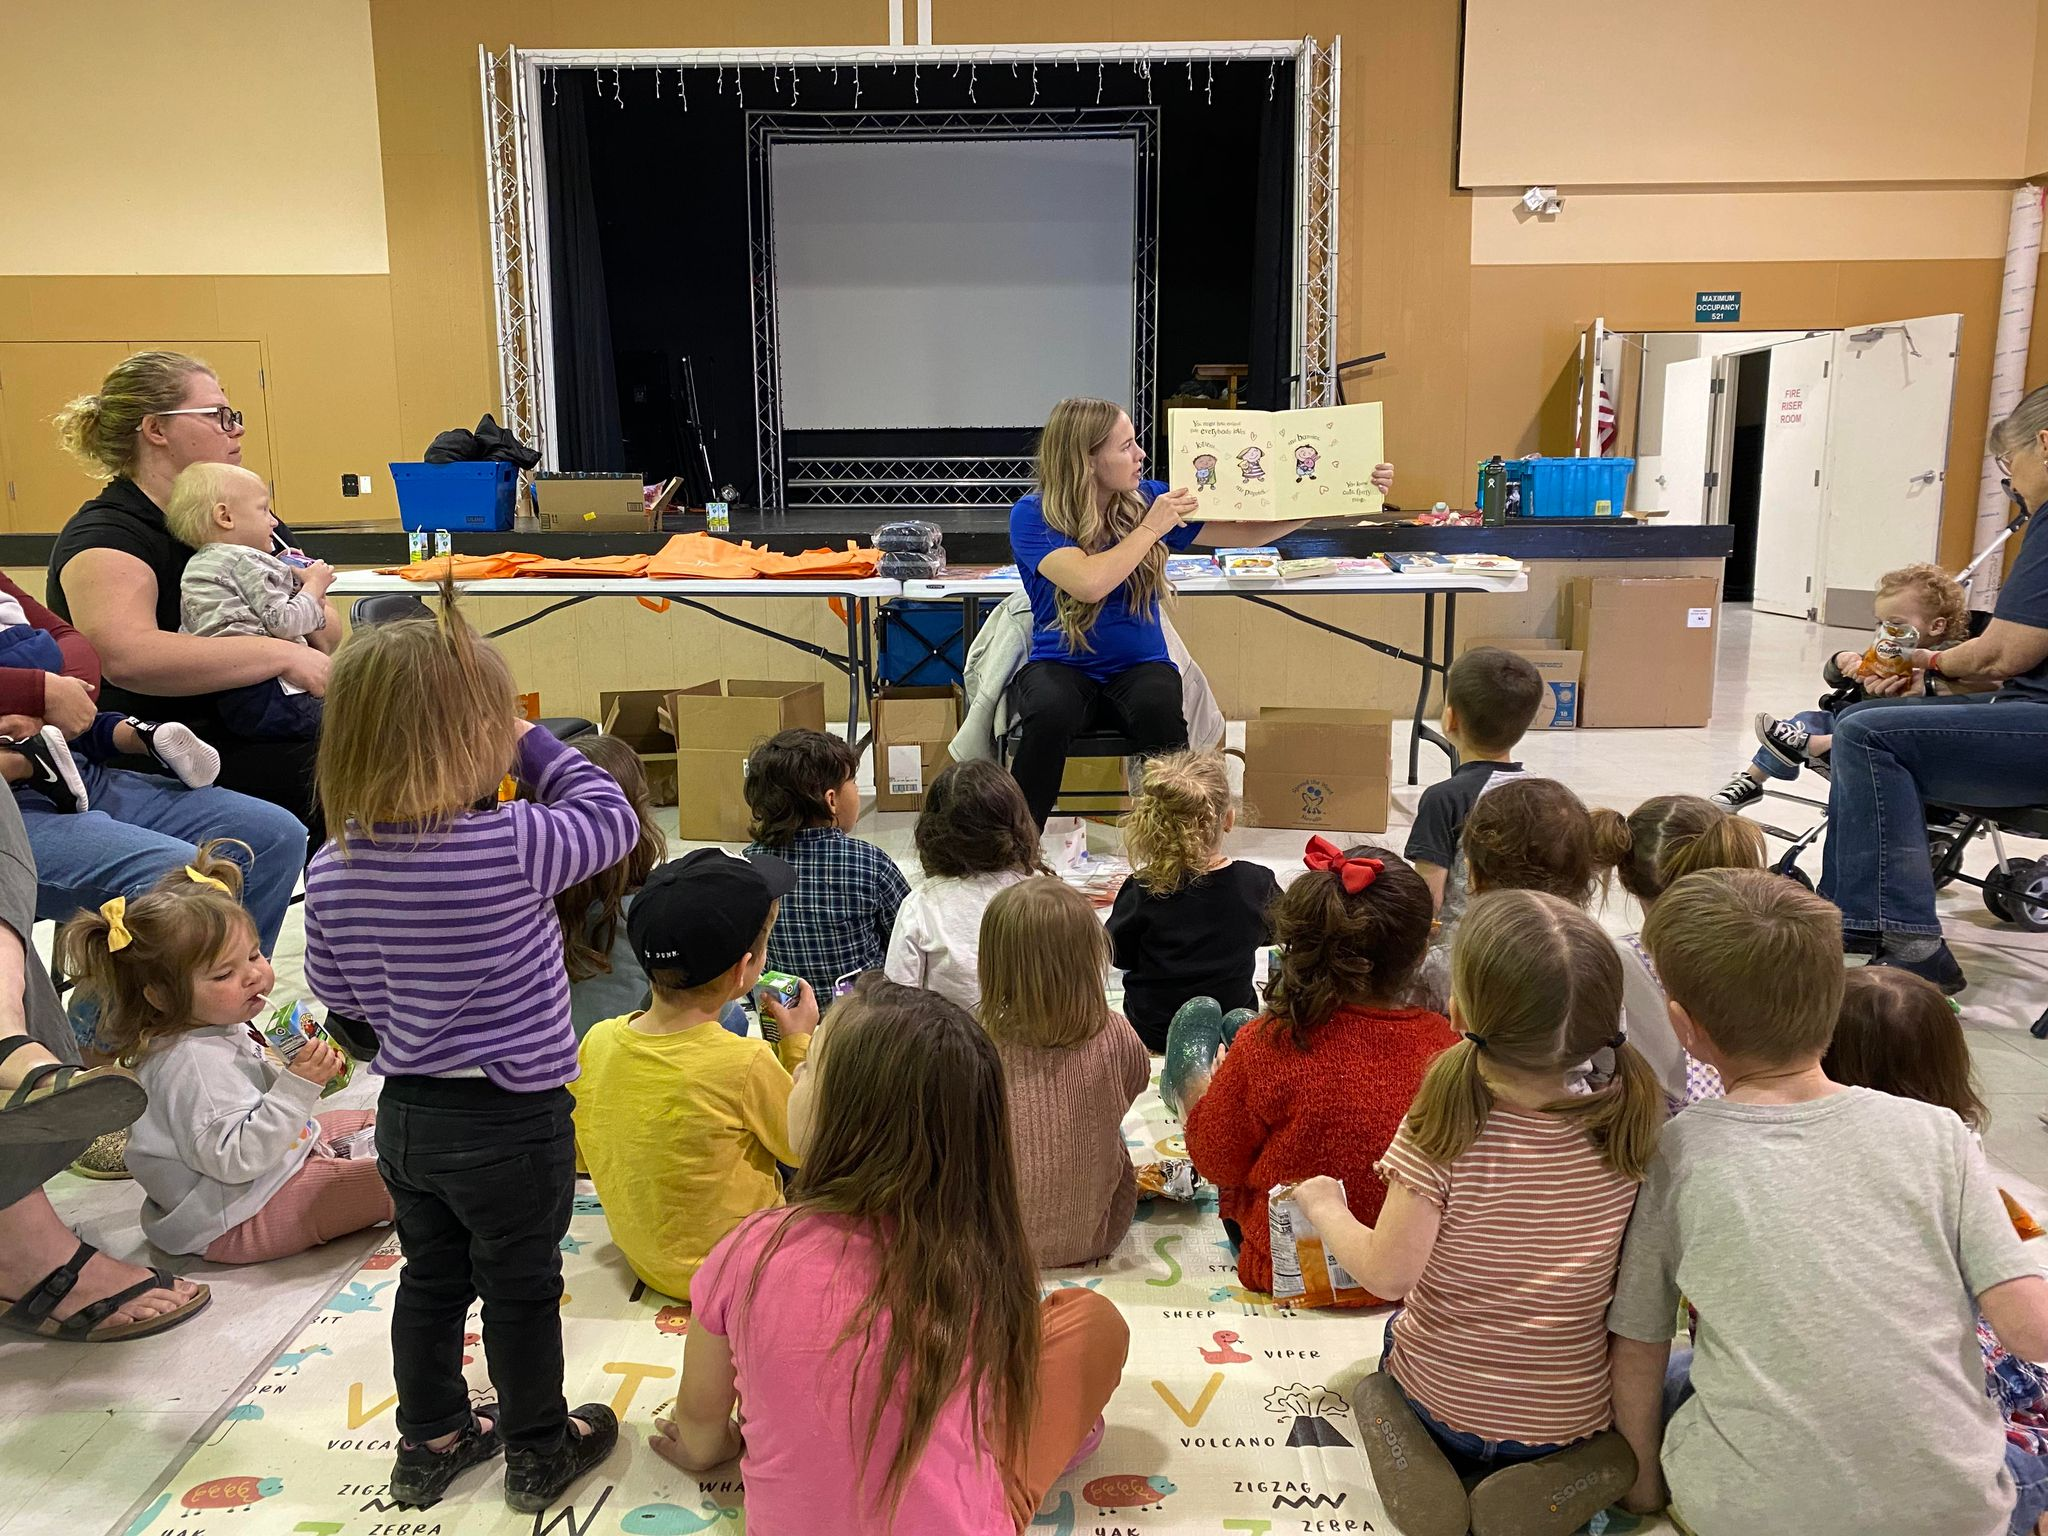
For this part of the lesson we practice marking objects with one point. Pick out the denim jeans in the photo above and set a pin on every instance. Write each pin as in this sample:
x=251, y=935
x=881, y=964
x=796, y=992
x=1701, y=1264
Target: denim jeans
x=1889, y=758
x=482, y=1181
x=1818, y=722
x=2030, y=1478
x=1470, y=1454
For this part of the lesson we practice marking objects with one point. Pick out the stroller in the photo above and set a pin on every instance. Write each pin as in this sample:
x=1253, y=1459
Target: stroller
x=2015, y=889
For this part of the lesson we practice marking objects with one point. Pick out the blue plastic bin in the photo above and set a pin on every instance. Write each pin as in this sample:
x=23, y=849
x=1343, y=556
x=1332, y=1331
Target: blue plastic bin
x=477, y=497
x=1571, y=487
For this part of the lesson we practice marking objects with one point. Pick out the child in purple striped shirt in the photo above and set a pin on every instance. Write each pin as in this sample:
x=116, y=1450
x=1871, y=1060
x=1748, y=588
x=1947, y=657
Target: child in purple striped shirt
x=431, y=916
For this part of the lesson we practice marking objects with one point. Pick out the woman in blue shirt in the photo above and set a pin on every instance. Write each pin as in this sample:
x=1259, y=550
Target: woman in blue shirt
x=1891, y=755
x=1091, y=545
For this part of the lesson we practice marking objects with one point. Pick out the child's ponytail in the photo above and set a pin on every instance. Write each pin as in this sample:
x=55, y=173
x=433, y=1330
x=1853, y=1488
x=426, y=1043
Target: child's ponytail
x=135, y=958
x=1670, y=836
x=1177, y=820
x=1726, y=841
x=1452, y=1103
x=1351, y=930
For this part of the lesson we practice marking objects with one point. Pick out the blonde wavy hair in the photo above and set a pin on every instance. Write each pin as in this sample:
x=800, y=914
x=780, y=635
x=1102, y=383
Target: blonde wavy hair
x=1942, y=593
x=198, y=489
x=1177, y=820
x=1073, y=432
x=99, y=429
x=420, y=726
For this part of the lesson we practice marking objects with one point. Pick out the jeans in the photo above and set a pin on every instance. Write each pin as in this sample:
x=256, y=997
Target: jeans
x=1889, y=758
x=482, y=1181
x=1818, y=722
x=1470, y=1454
x=1052, y=703
x=143, y=824
x=2030, y=1478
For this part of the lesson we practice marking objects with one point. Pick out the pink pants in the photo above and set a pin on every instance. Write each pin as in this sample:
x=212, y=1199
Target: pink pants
x=1082, y=1342
x=327, y=1198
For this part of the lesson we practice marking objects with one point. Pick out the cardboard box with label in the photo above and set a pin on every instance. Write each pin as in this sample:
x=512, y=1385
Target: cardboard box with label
x=1560, y=667
x=715, y=726
x=590, y=504
x=1319, y=769
x=913, y=727
x=1649, y=648
x=639, y=718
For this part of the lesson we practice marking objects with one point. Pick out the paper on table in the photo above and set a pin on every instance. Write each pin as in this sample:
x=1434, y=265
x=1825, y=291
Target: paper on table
x=1278, y=466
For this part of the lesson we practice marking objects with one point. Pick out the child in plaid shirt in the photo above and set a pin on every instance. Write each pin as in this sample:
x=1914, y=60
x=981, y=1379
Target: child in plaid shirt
x=801, y=790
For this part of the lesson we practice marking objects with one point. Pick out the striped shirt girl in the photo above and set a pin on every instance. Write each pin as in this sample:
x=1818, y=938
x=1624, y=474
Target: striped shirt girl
x=1505, y=1334
x=450, y=946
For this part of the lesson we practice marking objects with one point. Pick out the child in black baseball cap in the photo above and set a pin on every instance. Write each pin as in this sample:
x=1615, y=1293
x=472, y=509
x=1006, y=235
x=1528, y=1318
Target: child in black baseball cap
x=679, y=1122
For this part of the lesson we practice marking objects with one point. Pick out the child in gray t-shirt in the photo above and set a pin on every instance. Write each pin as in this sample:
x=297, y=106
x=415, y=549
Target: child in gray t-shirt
x=1835, y=1245
x=234, y=584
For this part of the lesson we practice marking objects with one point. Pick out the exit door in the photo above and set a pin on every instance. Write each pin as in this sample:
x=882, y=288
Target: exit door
x=1789, y=502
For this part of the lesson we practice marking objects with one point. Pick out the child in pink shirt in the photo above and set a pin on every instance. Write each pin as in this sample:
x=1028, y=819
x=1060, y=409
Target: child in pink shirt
x=899, y=1274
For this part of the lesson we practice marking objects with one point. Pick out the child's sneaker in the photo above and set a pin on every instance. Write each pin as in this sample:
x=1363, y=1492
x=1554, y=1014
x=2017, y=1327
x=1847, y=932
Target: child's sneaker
x=535, y=1479
x=420, y=1477
x=178, y=748
x=1413, y=1476
x=1739, y=791
x=1784, y=739
x=1555, y=1494
x=52, y=768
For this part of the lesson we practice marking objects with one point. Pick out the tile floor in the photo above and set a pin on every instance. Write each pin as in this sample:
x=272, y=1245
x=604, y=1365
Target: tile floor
x=85, y=1431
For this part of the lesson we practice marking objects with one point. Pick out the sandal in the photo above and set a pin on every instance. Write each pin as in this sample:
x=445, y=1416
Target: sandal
x=88, y=1325
x=59, y=1103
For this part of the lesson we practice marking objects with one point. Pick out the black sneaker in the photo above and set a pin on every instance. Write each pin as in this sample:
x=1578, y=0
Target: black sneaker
x=1939, y=968
x=52, y=768
x=1784, y=739
x=178, y=748
x=420, y=1477
x=1739, y=791
x=535, y=1479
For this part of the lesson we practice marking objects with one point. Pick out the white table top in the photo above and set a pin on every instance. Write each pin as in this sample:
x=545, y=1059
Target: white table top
x=1305, y=586
x=363, y=583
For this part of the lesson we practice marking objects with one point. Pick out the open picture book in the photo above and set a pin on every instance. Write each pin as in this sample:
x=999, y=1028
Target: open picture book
x=1278, y=466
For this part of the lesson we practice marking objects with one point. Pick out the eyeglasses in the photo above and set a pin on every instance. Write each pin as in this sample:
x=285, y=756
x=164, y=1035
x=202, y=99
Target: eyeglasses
x=227, y=420
x=2004, y=463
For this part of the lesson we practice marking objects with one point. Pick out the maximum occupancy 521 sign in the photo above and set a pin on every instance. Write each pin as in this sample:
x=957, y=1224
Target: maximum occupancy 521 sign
x=1716, y=308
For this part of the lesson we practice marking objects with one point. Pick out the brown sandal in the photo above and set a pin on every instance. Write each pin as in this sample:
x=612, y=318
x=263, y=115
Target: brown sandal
x=88, y=1325
x=57, y=1103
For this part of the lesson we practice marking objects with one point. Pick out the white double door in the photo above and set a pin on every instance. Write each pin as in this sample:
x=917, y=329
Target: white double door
x=1855, y=457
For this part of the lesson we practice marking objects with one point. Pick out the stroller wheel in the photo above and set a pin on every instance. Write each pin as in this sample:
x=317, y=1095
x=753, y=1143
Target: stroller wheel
x=2030, y=896
x=1795, y=874
x=1998, y=895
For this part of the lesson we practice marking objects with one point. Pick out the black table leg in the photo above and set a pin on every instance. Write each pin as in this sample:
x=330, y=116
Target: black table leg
x=852, y=612
x=1422, y=692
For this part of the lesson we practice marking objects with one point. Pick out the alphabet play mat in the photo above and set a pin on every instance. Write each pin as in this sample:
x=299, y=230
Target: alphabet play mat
x=1235, y=1414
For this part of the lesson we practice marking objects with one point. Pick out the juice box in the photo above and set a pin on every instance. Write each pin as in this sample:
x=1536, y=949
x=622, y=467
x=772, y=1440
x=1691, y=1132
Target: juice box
x=291, y=1026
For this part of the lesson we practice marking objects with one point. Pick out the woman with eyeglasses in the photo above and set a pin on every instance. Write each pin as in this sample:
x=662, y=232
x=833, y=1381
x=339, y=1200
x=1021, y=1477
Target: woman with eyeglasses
x=115, y=570
x=1985, y=745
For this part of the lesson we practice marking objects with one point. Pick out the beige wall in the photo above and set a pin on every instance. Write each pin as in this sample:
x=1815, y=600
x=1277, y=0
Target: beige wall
x=2037, y=133
x=227, y=136
x=1747, y=91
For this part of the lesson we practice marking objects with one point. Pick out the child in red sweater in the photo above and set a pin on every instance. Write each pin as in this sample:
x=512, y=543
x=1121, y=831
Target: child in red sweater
x=1319, y=1083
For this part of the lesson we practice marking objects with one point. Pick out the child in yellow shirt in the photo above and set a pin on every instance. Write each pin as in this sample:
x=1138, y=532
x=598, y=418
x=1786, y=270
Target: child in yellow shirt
x=679, y=1122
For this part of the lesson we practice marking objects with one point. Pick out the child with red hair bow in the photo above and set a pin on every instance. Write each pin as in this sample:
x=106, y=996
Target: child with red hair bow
x=1319, y=1082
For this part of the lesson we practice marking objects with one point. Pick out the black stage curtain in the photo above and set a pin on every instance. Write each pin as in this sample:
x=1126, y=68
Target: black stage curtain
x=1269, y=386
x=586, y=377
x=668, y=185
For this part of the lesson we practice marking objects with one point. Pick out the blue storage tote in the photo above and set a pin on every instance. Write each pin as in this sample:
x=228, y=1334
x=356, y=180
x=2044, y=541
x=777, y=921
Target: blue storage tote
x=473, y=497
x=1571, y=487
x=920, y=643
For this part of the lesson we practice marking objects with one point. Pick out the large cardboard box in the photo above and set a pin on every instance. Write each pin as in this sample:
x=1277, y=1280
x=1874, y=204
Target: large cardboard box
x=590, y=504
x=715, y=726
x=1649, y=648
x=1560, y=667
x=913, y=727
x=1319, y=769
x=639, y=718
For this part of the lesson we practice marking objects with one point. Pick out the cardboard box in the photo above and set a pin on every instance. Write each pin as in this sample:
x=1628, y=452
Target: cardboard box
x=715, y=725
x=590, y=504
x=912, y=728
x=1319, y=769
x=1649, y=648
x=639, y=718
x=1094, y=786
x=1560, y=667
